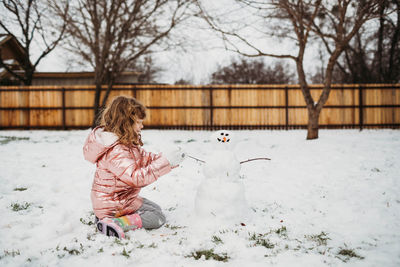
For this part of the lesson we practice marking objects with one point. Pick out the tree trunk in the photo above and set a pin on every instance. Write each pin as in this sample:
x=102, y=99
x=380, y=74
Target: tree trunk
x=312, y=127
x=110, y=85
x=379, y=52
x=313, y=113
x=96, y=107
x=28, y=76
x=96, y=118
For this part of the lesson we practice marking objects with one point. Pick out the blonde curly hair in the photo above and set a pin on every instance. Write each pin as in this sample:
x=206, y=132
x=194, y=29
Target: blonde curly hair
x=120, y=116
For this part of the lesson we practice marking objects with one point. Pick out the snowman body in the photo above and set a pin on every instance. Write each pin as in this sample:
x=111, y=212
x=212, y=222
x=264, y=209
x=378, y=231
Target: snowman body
x=221, y=195
x=222, y=164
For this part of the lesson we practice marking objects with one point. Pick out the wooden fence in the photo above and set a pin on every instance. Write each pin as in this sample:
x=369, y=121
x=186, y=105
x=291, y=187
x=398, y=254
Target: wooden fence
x=205, y=107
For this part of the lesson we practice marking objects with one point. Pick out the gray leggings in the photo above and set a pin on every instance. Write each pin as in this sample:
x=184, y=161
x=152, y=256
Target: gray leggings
x=151, y=215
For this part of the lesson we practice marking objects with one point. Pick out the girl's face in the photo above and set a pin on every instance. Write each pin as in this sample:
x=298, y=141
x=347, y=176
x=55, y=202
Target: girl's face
x=138, y=126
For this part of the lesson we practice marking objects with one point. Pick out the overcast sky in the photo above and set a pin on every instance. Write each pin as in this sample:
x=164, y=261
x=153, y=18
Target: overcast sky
x=203, y=53
x=195, y=62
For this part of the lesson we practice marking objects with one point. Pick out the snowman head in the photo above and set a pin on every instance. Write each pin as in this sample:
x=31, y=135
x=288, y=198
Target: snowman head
x=222, y=138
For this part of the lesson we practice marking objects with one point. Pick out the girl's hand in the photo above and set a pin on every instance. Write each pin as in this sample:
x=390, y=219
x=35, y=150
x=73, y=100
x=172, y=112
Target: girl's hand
x=175, y=157
x=173, y=167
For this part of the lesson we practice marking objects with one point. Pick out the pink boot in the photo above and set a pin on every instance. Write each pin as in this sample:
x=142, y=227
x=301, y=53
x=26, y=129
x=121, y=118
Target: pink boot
x=129, y=222
x=108, y=227
x=117, y=226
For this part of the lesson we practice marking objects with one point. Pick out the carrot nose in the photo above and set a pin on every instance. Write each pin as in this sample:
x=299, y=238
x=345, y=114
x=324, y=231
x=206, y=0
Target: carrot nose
x=224, y=139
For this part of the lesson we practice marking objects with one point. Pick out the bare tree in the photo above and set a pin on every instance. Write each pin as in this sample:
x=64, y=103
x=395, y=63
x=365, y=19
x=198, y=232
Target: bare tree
x=245, y=71
x=147, y=69
x=30, y=21
x=333, y=22
x=112, y=35
x=373, y=56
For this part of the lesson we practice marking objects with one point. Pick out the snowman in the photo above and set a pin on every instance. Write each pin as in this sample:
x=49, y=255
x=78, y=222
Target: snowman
x=221, y=195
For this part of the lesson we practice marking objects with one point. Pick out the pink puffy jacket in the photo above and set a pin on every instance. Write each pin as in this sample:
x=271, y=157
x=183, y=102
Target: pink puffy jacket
x=120, y=174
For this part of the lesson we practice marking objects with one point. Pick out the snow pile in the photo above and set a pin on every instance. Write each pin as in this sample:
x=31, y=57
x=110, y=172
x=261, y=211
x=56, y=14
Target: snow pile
x=328, y=202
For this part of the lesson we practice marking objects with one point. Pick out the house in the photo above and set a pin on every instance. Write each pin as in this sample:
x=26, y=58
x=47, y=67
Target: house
x=13, y=55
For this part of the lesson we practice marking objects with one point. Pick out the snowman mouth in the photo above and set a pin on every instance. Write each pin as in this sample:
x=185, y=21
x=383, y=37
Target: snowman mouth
x=223, y=140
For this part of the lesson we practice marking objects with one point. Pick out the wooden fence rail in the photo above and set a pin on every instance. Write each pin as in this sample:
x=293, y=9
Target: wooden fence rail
x=205, y=107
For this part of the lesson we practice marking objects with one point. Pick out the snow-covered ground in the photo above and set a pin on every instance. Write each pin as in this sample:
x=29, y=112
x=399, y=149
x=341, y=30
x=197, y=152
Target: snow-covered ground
x=334, y=201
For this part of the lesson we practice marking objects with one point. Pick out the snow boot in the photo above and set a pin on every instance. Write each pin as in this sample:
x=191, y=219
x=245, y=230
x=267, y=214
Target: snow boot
x=117, y=226
x=129, y=222
x=108, y=227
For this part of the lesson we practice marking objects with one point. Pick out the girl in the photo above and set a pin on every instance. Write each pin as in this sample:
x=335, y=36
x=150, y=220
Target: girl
x=123, y=168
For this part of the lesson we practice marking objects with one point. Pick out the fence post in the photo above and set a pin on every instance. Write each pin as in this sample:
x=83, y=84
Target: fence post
x=211, y=109
x=64, y=126
x=134, y=92
x=360, y=107
x=394, y=109
x=29, y=109
x=286, y=108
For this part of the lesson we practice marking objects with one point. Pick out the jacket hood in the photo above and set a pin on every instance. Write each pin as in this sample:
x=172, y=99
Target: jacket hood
x=97, y=143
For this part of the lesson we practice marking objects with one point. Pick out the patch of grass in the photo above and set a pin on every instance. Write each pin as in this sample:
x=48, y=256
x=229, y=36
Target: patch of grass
x=173, y=227
x=118, y=241
x=281, y=231
x=90, y=237
x=73, y=251
x=19, y=207
x=264, y=243
x=254, y=236
x=217, y=240
x=347, y=254
x=321, y=239
x=190, y=141
x=125, y=253
x=224, y=231
x=260, y=240
x=153, y=245
x=140, y=245
x=20, y=189
x=12, y=253
x=7, y=139
x=209, y=254
x=86, y=222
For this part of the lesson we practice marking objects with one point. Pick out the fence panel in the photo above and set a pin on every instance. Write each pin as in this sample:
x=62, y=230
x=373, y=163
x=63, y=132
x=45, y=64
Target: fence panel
x=207, y=107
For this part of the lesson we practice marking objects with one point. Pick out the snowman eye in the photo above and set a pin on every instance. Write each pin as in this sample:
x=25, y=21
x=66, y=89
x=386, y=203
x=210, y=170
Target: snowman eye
x=227, y=134
x=222, y=133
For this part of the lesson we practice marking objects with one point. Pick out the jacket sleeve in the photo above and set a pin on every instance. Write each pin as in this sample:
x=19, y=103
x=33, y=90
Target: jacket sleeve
x=147, y=157
x=126, y=168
